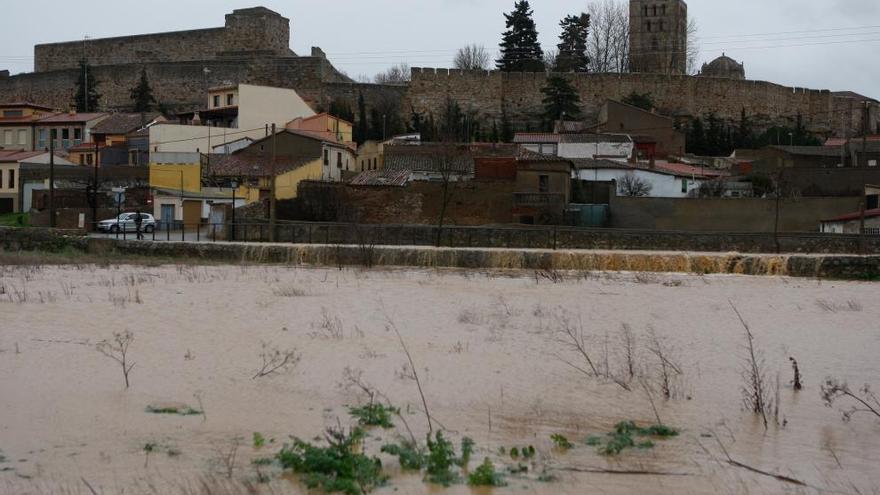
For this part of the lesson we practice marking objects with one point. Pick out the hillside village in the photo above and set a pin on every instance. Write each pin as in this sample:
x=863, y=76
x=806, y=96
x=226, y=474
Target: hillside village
x=427, y=148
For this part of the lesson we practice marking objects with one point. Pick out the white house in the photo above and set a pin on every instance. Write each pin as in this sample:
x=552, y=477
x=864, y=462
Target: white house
x=851, y=222
x=233, y=113
x=616, y=147
x=666, y=180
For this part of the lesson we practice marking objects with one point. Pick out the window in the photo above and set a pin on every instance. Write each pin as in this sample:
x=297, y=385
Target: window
x=132, y=157
x=338, y=159
x=22, y=136
x=65, y=138
x=230, y=99
x=326, y=158
x=663, y=10
x=89, y=160
x=7, y=137
x=216, y=101
x=77, y=135
x=684, y=185
x=648, y=26
x=13, y=113
x=655, y=11
x=41, y=139
x=11, y=178
x=872, y=163
x=375, y=164
x=543, y=183
x=82, y=159
x=646, y=11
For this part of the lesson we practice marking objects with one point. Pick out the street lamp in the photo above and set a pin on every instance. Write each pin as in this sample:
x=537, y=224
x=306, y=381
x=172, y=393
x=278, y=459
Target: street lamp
x=234, y=185
x=791, y=139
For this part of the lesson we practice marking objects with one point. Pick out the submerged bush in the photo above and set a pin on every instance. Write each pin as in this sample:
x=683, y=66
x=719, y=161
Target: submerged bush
x=485, y=475
x=337, y=467
x=623, y=437
x=409, y=454
x=374, y=415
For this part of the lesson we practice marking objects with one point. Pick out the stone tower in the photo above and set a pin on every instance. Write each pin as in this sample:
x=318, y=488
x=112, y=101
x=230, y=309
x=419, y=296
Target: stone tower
x=658, y=36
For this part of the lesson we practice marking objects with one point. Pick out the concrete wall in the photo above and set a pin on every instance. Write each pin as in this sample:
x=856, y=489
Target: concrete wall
x=727, y=215
x=260, y=106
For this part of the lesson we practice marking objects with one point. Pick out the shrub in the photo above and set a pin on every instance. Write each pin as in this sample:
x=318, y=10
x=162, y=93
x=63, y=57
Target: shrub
x=335, y=468
x=409, y=454
x=623, y=437
x=374, y=415
x=441, y=459
x=561, y=441
x=485, y=475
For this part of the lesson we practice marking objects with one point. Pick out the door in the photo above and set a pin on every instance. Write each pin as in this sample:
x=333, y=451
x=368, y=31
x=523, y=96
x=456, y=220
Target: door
x=218, y=214
x=7, y=205
x=167, y=217
x=192, y=213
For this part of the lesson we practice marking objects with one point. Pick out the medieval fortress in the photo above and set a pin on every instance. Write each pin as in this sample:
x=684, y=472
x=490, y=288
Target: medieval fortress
x=253, y=47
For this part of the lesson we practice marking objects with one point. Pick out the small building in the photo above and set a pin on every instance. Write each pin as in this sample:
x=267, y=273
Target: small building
x=371, y=156
x=11, y=164
x=543, y=188
x=17, y=124
x=431, y=162
x=654, y=135
x=851, y=222
x=70, y=129
x=660, y=180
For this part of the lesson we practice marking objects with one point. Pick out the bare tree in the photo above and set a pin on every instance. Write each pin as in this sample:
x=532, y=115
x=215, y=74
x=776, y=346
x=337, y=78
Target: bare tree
x=632, y=185
x=472, y=57
x=550, y=57
x=447, y=161
x=117, y=350
x=756, y=395
x=608, y=42
x=693, y=46
x=714, y=188
x=396, y=74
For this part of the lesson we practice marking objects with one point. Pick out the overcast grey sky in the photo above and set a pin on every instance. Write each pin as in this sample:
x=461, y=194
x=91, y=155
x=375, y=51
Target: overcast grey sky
x=838, y=39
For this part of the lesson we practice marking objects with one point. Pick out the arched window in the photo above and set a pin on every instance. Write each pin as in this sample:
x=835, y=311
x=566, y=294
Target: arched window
x=655, y=45
x=663, y=9
x=655, y=11
x=648, y=26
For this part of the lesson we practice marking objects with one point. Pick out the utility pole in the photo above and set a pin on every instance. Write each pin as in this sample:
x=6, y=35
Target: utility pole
x=95, y=191
x=51, y=179
x=272, y=193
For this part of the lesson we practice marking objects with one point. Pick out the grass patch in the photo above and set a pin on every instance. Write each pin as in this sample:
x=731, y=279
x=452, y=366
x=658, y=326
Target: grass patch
x=485, y=475
x=14, y=220
x=339, y=467
x=374, y=415
x=180, y=411
x=625, y=436
x=262, y=461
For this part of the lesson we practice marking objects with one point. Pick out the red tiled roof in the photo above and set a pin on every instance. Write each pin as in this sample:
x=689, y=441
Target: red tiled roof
x=683, y=169
x=69, y=117
x=855, y=216
x=244, y=165
x=123, y=123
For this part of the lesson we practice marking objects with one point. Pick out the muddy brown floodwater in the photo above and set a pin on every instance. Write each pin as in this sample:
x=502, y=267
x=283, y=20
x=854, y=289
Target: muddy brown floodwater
x=488, y=348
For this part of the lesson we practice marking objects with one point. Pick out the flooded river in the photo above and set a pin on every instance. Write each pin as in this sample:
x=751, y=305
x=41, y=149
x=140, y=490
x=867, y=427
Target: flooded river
x=497, y=355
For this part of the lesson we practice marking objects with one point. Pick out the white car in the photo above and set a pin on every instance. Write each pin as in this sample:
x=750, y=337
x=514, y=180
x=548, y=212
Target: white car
x=125, y=223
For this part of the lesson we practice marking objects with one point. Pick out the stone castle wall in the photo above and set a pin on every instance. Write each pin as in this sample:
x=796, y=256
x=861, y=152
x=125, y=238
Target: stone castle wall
x=246, y=30
x=486, y=92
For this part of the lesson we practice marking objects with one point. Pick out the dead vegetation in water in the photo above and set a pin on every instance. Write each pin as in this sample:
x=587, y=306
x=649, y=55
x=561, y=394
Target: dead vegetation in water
x=864, y=400
x=756, y=393
x=276, y=361
x=833, y=307
x=289, y=291
x=329, y=327
x=120, y=300
x=117, y=350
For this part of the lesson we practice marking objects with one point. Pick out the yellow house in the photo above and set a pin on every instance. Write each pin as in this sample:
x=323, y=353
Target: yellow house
x=177, y=176
x=325, y=126
x=253, y=174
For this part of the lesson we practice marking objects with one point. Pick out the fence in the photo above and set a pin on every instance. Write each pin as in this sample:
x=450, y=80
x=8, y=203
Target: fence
x=515, y=237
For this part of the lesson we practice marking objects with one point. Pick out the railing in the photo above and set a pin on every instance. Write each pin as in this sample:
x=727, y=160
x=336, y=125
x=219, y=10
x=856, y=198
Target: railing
x=538, y=199
x=508, y=236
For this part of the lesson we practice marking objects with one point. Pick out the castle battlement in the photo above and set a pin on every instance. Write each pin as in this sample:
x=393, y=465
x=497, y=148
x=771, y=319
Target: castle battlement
x=256, y=29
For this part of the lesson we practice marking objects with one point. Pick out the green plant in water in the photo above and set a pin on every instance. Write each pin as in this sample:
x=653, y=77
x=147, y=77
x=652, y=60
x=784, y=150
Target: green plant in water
x=594, y=441
x=185, y=411
x=441, y=459
x=467, y=448
x=561, y=441
x=409, y=454
x=485, y=475
x=337, y=467
x=259, y=440
x=622, y=437
x=374, y=415
x=262, y=461
x=528, y=452
x=514, y=453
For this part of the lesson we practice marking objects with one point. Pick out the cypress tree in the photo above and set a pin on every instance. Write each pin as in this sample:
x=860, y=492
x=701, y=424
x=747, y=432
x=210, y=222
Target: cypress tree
x=560, y=100
x=520, y=49
x=506, y=127
x=142, y=94
x=87, y=95
x=362, y=130
x=696, y=138
x=572, y=47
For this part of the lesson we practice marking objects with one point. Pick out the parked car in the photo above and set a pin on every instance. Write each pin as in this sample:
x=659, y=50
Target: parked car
x=125, y=223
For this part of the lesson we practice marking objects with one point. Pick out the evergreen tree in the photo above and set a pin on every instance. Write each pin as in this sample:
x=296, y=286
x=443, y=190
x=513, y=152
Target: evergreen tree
x=561, y=101
x=715, y=141
x=520, y=49
x=696, y=138
x=745, y=136
x=362, y=129
x=377, y=125
x=641, y=100
x=506, y=127
x=142, y=94
x=572, y=56
x=453, y=125
x=87, y=95
x=341, y=109
x=494, y=137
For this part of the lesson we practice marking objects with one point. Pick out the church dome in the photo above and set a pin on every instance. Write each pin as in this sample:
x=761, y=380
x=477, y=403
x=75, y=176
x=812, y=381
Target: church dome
x=725, y=67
